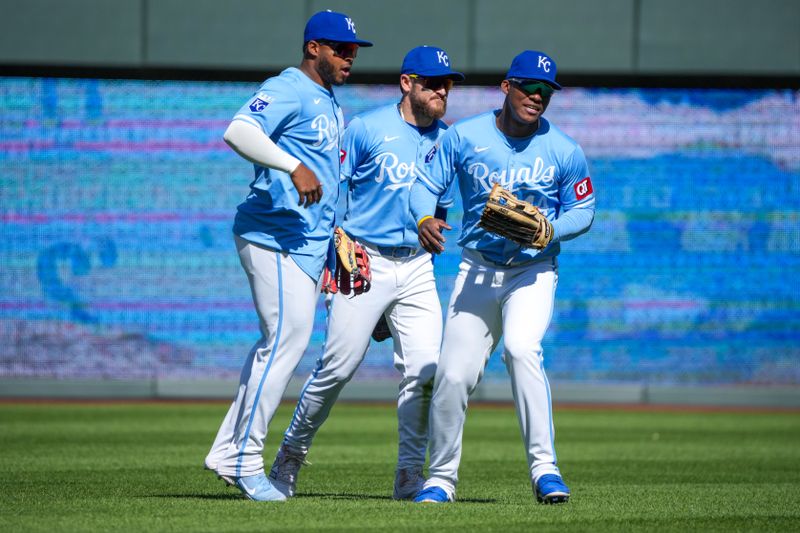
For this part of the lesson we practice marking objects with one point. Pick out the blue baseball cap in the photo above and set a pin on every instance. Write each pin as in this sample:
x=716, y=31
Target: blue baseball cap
x=429, y=62
x=533, y=65
x=332, y=26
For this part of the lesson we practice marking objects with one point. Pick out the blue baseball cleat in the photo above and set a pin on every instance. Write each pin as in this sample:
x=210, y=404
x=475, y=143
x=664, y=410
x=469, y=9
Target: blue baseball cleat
x=550, y=488
x=259, y=488
x=432, y=495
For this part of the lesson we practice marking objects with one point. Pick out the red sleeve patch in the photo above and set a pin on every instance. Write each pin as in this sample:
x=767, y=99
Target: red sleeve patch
x=342, y=155
x=583, y=188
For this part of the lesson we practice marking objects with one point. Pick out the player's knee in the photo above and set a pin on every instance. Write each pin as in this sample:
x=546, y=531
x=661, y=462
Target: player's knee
x=453, y=379
x=339, y=374
x=520, y=348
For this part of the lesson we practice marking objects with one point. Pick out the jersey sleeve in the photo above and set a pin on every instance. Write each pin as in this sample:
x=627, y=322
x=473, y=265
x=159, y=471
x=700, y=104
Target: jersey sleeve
x=442, y=171
x=448, y=198
x=577, y=198
x=272, y=108
x=575, y=187
x=354, y=143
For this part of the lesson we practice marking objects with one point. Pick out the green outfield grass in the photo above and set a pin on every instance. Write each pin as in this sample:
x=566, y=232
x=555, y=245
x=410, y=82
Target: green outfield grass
x=135, y=467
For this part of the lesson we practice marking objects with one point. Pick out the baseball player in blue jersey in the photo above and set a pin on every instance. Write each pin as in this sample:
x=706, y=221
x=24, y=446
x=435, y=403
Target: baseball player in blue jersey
x=503, y=289
x=385, y=151
x=290, y=129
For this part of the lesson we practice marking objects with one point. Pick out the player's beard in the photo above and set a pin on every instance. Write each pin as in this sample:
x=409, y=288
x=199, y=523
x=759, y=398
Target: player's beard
x=434, y=108
x=327, y=71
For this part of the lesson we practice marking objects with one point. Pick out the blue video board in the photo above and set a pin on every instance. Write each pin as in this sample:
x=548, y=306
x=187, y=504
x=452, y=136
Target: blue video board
x=117, y=200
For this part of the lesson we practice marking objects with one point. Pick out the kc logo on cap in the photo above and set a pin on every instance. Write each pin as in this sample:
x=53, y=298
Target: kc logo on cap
x=544, y=63
x=534, y=65
x=430, y=62
x=332, y=26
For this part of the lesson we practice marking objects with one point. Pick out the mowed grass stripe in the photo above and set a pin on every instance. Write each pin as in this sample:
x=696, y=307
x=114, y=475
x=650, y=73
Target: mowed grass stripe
x=138, y=467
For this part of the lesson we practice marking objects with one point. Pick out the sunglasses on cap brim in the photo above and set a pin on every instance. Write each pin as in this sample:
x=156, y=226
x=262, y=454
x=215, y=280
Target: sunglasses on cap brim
x=433, y=84
x=534, y=86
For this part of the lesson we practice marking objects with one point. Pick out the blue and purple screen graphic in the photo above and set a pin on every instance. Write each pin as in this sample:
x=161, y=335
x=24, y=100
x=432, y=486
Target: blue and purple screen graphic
x=117, y=200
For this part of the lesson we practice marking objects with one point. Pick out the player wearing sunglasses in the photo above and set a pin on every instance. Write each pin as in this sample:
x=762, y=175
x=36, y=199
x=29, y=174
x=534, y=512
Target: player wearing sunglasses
x=386, y=150
x=291, y=130
x=503, y=289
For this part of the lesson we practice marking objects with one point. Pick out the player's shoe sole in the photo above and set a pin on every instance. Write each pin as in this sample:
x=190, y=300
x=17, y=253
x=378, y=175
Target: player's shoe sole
x=550, y=489
x=557, y=497
x=229, y=480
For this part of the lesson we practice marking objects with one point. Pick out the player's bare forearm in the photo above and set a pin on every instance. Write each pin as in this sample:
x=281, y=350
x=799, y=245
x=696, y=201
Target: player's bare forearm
x=309, y=189
x=430, y=235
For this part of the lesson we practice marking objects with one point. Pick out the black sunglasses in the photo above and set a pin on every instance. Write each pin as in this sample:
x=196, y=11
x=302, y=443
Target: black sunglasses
x=433, y=84
x=534, y=86
x=343, y=50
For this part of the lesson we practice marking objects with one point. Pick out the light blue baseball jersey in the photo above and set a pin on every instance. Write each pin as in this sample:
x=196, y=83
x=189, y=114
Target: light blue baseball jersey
x=547, y=169
x=305, y=120
x=384, y=155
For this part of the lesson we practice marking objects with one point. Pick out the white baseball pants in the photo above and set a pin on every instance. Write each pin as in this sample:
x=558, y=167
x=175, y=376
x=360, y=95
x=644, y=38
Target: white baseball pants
x=285, y=299
x=488, y=302
x=405, y=290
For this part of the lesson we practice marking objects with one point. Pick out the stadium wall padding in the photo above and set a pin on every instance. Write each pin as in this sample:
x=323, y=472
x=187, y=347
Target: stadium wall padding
x=628, y=37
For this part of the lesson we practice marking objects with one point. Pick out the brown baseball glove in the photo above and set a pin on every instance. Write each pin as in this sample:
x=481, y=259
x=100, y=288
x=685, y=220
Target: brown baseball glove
x=515, y=219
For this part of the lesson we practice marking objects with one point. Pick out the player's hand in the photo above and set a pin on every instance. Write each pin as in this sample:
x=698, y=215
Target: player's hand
x=309, y=189
x=430, y=235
